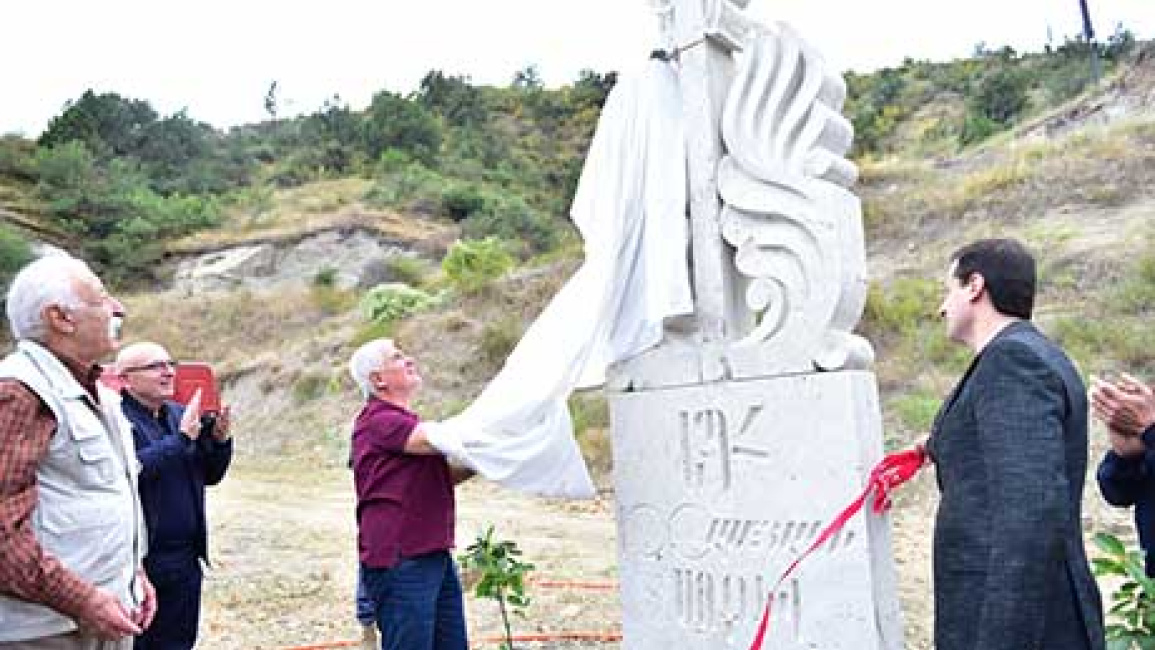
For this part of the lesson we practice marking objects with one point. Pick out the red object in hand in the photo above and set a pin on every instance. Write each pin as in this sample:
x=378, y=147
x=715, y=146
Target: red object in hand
x=192, y=375
x=893, y=471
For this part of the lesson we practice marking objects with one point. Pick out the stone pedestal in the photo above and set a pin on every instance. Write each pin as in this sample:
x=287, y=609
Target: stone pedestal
x=719, y=487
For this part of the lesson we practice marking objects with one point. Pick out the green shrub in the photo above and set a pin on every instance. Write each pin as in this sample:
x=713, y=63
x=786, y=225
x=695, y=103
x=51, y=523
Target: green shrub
x=1131, y=617
x=462, y=200
x=326, y=277
x=511, y=218
x=500, y=576
x=414, y=187
x=14, y=254
x=389, y=303
x=471, y=265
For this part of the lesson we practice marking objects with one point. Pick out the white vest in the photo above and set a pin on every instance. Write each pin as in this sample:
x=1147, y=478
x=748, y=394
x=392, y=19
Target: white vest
x=88, y=511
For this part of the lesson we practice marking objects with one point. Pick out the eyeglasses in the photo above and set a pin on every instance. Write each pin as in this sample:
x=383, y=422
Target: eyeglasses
x=154, y=366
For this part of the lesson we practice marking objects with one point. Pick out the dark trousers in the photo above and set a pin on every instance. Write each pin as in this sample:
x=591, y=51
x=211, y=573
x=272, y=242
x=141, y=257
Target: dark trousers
x=419, y=604
x=177, y=580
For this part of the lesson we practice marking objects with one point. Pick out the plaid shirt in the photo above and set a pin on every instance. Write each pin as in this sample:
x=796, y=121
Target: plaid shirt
x=26, y=571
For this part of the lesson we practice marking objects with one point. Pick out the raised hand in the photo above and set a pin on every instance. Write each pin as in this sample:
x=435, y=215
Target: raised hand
x=190, y=422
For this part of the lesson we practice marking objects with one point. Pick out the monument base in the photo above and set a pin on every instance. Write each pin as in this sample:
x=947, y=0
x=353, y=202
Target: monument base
x=721, y=485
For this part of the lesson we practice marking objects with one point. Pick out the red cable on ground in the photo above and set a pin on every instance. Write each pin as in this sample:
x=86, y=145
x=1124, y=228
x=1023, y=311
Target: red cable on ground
x=594, y=637
x=564, y=584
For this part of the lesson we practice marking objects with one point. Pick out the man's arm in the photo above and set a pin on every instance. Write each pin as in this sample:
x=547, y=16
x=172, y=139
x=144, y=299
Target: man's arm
x=418, y=442
x=26, y=571
x=1019, y=410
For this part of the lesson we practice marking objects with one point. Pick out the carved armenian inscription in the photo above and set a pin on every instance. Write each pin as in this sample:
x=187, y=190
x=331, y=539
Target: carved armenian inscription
x=712, y=440
x=718, y=565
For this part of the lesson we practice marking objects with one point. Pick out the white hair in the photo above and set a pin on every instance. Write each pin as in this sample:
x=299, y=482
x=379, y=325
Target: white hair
x=49, y=280
x=367, y=359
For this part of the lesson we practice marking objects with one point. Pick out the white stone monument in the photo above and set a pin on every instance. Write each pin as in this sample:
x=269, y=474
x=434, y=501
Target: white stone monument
x=750, y=427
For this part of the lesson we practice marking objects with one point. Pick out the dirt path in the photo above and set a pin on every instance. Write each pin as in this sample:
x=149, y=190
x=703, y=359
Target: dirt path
x=284, y=561
x=283, y=545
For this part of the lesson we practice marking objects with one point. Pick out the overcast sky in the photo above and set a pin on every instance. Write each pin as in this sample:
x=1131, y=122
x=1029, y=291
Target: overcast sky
x=217, y=57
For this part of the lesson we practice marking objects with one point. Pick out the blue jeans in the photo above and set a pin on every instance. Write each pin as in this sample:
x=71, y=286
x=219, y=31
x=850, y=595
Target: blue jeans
x=419, y=603
x=366, y=610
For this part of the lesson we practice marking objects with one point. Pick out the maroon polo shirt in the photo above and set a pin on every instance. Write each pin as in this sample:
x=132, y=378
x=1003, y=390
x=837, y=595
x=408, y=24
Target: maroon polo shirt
x=405, y=504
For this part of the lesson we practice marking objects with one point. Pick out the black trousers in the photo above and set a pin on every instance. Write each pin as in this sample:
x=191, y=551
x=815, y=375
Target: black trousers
x=177, y=579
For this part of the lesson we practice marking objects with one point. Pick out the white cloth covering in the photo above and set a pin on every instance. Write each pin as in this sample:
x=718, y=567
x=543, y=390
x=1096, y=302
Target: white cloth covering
x=630, y=208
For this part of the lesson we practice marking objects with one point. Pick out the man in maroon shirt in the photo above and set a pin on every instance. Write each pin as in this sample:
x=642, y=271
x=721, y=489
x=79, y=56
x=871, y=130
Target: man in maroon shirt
x=405, y=509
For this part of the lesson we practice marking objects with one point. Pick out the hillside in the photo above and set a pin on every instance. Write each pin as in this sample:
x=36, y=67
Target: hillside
x=1074, y=177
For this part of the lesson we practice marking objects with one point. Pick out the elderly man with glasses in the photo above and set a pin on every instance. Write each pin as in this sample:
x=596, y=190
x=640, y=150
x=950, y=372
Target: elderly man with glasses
x=180, y=453
x=71, y=531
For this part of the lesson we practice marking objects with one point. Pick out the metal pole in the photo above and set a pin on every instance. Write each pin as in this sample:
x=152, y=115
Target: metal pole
x=1089, y=34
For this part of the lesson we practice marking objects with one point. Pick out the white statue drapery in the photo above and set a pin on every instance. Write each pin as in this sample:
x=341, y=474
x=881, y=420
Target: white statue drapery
x=630, y=208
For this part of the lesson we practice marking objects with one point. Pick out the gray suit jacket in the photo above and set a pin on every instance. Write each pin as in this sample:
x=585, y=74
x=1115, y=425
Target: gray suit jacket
x=1010, y=448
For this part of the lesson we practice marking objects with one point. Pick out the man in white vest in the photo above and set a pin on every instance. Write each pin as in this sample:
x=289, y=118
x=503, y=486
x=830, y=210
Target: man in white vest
x=71, y=529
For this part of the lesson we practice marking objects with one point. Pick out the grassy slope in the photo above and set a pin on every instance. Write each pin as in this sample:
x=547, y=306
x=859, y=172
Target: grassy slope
x=1085, y=201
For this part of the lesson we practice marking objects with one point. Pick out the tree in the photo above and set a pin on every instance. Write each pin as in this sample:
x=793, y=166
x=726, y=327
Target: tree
x=528, y=78
x=179, y=155
x=452, y=97
x=592, y=88
x=108, y=124
x=394, y=122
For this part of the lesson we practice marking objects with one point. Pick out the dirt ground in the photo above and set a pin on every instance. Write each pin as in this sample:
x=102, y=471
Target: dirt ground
x=284, y=562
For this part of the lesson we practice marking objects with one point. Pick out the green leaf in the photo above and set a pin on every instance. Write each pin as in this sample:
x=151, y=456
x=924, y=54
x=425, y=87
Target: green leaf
x=1109, y=544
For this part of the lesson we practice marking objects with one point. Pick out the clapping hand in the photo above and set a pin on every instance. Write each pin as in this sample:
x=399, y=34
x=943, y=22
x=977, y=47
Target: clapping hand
x=190, y=422
x=1126, y=406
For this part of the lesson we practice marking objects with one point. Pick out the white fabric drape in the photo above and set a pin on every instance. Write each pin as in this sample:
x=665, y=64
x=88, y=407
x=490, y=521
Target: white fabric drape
x=630, y=208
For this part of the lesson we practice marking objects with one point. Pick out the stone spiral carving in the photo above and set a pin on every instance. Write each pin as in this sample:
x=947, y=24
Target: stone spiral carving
x=795, y=227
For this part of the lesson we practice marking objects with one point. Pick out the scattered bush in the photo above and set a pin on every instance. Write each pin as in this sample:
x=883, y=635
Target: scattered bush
x=511, y=218
x=471, y=265
x=389, y=303
x=462, y=200
x=326, y=277
x=14, y=254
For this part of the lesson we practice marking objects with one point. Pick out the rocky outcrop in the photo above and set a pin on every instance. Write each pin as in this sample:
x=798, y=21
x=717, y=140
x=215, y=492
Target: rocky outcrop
x=353, y=257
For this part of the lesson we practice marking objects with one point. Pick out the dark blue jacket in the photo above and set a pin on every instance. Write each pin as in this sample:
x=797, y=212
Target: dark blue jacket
x=173, y=476
x=1131, y=482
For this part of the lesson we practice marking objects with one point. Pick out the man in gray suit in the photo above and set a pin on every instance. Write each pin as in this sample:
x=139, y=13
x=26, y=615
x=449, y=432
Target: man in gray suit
x=1010, y=447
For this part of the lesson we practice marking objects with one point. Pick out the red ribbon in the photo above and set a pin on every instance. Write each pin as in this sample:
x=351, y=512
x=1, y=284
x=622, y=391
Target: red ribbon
x=894, y=470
